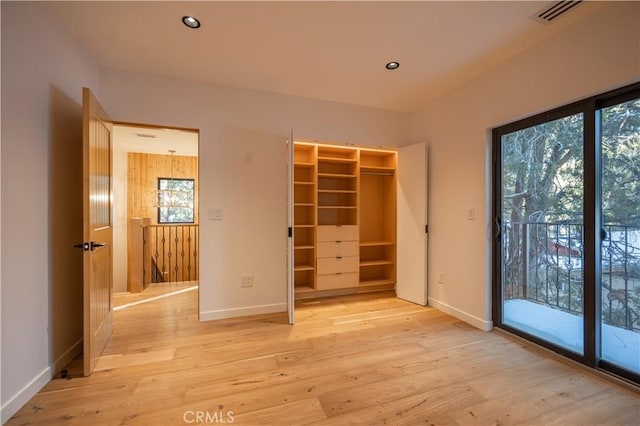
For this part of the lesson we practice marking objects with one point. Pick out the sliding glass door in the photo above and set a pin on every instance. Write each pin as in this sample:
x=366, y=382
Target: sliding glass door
x=567, y=230
x=620, y=256
x=542, y=222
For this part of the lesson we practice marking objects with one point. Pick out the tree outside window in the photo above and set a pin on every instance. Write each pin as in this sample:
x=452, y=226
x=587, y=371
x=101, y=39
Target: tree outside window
x=175, y=200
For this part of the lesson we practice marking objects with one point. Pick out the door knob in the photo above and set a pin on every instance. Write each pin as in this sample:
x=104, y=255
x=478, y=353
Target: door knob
x=89, y=246
x=95, y=245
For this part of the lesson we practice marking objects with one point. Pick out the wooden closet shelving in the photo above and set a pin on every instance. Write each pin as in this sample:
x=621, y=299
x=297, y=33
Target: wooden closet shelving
x=304, y=208
x=347, y=196
x=337, y=185
x=377, y=231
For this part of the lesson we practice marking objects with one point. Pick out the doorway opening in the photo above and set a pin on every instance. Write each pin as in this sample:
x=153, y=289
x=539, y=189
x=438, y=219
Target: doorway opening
x=156, y=216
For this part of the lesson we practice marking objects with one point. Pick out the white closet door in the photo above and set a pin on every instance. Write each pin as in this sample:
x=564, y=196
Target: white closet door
x=290, y=230
x=411, y=281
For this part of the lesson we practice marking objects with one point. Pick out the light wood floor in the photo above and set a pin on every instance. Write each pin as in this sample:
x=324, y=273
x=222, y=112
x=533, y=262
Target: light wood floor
x=353, y=360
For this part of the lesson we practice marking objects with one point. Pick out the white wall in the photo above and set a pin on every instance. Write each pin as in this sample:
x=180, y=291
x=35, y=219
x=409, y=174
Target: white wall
x=600, y=53
x=42, y=76
x=243, y=171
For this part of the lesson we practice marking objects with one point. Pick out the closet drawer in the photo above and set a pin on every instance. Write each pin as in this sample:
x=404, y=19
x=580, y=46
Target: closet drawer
x=328, y=282
x=338, y=233
x=334, y=265
x=337, y=249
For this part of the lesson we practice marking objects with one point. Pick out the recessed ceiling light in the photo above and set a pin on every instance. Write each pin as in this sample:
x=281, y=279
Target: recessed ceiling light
x=392, y=65
x=191, y=22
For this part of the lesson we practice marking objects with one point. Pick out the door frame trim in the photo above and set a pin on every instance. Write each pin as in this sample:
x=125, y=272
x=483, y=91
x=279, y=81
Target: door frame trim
x=186, y=129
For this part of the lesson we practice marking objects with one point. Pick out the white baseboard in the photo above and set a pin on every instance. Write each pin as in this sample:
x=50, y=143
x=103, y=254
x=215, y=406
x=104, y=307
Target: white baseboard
x=64, y=359
x=461, y=315
x=37, y=383
x=23, y=396
x=243, y=312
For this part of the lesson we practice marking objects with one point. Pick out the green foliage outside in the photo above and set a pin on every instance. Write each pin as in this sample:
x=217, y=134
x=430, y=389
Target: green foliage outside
x=175, y=200
x=542, y=211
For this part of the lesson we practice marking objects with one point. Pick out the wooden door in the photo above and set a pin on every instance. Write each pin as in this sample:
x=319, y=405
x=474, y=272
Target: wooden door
x=290, y=230
x=97, y=229
x=411, y=283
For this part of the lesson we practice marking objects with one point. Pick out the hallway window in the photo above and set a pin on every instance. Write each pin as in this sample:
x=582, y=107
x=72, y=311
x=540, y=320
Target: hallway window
x=175, y=200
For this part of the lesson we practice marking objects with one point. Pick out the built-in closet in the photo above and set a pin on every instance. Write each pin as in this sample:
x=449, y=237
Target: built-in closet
x=344, y=202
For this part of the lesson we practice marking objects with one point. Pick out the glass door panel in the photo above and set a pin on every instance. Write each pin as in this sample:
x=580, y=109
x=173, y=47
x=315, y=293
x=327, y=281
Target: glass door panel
x=620, y=255
x=542, y=231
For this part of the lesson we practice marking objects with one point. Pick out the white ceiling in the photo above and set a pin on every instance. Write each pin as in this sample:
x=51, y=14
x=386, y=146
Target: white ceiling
x=156, y=140
x=325, y=50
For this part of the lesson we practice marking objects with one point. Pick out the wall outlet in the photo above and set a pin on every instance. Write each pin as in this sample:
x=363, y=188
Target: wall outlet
x=440, y=278
x=246, y=281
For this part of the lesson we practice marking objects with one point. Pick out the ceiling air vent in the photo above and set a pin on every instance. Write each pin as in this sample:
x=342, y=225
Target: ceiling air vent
x=555, y=10
x=146, y=135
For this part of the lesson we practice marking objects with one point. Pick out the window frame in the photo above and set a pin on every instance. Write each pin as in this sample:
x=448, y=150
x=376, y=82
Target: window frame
x=590, y=108
x=193, y=197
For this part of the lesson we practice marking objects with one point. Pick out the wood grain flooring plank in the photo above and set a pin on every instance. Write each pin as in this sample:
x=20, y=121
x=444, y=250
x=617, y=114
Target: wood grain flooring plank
x=301, y=412
x=612, y=406
x=428, y=407
x=264, y=395
x=361, y=359
x=107, y=362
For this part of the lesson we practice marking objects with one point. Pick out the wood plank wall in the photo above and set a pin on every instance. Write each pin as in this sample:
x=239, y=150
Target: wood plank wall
x=143, y=171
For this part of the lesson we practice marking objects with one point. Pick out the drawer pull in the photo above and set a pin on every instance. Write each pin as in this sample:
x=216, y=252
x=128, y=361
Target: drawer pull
x=339, y=257
x=338, y=241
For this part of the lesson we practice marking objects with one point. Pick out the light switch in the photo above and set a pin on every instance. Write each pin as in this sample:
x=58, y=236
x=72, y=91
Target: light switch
x=215, y=214
x=471, y=214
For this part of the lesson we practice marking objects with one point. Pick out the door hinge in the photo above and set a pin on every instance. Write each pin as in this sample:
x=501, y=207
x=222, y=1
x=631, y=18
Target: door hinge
x=290, y=232
x=426, y=229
